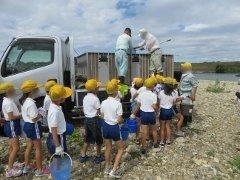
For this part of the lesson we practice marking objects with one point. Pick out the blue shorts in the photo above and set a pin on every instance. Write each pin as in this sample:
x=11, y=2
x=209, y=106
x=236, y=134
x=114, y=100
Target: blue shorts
x=147, y=118
x=12, y=129
x=111, y=131
x=33, y=131
x=166, y=114
x=51, y=146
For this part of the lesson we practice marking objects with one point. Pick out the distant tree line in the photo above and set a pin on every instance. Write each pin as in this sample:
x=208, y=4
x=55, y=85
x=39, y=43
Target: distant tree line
x=221, y=68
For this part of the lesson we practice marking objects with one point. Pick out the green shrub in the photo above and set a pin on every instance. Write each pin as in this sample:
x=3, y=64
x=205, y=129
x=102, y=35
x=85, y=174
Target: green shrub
x=236, y=162
x=217, y=87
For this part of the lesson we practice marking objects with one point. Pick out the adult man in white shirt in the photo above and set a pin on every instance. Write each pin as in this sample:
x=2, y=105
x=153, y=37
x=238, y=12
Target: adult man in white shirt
x=153, y=47
x=123, y=48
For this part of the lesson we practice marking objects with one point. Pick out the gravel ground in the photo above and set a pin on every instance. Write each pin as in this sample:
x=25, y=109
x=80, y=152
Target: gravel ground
x=204, y=153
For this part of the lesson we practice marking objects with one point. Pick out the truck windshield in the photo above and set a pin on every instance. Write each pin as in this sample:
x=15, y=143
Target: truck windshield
x=26, y=56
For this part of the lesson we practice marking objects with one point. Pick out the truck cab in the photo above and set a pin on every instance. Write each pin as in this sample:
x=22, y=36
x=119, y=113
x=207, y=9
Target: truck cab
x=39, y=58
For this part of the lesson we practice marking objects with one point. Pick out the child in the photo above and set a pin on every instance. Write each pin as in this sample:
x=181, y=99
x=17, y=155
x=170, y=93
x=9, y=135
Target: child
x=93, y=133
x=177, y=113
x=111, y=111
x=12, y=126
x=47, y=100
x=32, y=126
x=167, y=99
x=137, y=84
x=56, y=141
x=160, y=84
x=116, y=82
x=188, y=85
x=147, y=102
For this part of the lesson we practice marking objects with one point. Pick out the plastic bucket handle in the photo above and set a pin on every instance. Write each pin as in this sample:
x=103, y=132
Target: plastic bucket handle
x=50, y=160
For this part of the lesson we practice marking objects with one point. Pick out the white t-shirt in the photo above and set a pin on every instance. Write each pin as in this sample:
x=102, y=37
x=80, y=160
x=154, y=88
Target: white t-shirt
x=147, y=99
x=91, y=104
x=111, y=109
x=166, y=101
x=46, y=103
x=133, y=91
x=56, y=118
x=29, y=110
x=157, y=89
x=150, y=42
x=8, y=106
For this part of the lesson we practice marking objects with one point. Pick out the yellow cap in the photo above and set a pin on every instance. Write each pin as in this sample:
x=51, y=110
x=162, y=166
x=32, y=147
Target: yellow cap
x=186, y=66
x=138, y=81
x=92, y=84
x=29, y=85
x=49, y=84
x=115, y=81
x=5, y=87
x=174, y=81
x=111, y=88
x=59, y=92
x=160, y=79
x=154, y=79
x=168, y=80
x=149, y=82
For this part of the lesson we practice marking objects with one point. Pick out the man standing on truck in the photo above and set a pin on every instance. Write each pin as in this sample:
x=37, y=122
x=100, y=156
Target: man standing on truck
x=123, y=49
x=153, y=47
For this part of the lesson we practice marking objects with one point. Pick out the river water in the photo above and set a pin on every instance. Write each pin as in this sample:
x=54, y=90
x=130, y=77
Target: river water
x=215, y=76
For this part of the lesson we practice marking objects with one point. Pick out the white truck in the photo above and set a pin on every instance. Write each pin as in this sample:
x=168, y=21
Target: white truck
x=50, y=57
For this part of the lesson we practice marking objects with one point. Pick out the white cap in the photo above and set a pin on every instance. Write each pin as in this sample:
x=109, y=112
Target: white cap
x=142, y=32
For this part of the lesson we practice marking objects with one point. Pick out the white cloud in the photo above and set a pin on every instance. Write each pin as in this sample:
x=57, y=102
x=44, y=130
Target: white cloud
x=195, y=27
x=199, y=29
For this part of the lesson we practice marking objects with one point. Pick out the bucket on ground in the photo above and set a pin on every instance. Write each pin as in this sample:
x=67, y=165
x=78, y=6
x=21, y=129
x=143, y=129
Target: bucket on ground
x=132, y=125
x=124, y=131
x=60, y=167
x=69, y=129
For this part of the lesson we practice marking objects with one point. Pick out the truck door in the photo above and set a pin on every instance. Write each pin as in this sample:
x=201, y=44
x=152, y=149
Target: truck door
x=30, y=58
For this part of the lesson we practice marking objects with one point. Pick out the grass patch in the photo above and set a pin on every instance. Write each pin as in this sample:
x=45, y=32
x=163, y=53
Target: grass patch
x=196, y=131
x=216, y=87
x=75, y=139
x=135, y=155
x=236, y=162
x=210, y=152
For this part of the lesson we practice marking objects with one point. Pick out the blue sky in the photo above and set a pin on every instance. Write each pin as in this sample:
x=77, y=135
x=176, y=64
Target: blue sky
x=200, y=30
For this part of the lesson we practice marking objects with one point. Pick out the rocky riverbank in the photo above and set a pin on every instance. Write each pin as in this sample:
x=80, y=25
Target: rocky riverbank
x=207, y=151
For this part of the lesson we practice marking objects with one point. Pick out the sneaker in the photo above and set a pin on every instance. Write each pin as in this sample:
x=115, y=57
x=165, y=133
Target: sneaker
x=99, y=159
x=40, y=173
x=26, y=169
x=168, y=142
x=162, y=144
x=18, y=165
x=13, y=173
x=107, y=171
x=84, y=159
x=155, y=145
x=180, y=133
x=114, y=174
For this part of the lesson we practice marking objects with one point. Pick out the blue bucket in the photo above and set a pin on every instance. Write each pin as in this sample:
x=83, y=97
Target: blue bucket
x=124, y=131
x=132, y=125
x=69, y=129
x=60, y=167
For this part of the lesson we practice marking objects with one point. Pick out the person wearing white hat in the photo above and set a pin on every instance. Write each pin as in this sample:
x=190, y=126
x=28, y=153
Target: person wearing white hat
x=123, y=48
x=152, y=45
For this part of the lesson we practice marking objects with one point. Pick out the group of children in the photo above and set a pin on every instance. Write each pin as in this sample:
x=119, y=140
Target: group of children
x=152, y=99
x=32, y=116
